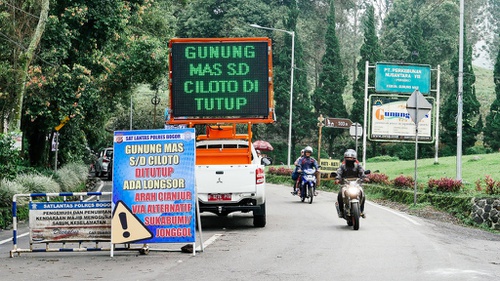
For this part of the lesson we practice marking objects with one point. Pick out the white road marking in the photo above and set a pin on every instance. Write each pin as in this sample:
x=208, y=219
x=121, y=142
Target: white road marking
x=10, y=239
x=209, y=241
x=404, y=216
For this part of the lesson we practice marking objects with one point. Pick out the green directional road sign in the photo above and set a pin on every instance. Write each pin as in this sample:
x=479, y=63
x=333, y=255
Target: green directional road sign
x=402, y=78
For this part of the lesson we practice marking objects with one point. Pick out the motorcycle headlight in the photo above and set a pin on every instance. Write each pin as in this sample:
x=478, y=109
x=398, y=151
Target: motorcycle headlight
x=310, y=178
x=353, y=192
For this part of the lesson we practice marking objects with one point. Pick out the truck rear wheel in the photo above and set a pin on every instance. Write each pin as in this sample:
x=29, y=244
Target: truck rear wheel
x=259, y=217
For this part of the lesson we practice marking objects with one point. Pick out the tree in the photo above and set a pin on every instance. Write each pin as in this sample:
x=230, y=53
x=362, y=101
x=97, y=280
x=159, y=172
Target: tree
x=419, y=32
x=89, y=58
x=303, y=121
x=370, y=51
x=492, y=128
x=327, y=97
x=470, y=106
x=217, y=19
x=21, y=29
x=282, y=63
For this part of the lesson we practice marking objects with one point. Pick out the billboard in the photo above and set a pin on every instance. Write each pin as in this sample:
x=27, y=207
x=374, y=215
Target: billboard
x=391, y=121
x=402, y=78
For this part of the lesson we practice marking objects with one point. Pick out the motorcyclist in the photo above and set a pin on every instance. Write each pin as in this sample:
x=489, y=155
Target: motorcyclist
x=297, y=180
x=350, y=168
x=308, y=162
x=298, y=159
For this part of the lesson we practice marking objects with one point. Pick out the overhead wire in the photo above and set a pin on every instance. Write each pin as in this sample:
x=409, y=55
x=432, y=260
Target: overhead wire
x=13, y=41
x=19, y=9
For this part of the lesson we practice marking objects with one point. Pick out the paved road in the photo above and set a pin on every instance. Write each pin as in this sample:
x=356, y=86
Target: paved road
x=300, y=242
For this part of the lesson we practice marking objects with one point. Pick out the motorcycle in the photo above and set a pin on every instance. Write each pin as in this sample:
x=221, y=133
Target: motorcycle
x=352, y=195
x=307, y=185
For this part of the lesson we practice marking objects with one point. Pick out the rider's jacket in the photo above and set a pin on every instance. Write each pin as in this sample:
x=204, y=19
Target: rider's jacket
x=350, y=171
x=307, y=163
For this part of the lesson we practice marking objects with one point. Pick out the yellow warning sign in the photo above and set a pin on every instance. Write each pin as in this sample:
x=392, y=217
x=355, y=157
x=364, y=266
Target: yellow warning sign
x=126, y=227
x=329, y=165
x=63, y=122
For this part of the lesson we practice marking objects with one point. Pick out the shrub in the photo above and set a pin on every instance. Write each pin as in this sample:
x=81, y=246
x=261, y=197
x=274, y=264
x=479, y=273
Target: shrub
x=478, y=185
x=378, y=178
x=403, y=182
x=445, y=185
x=477, y=150
x=11, y=160
x=492, y=186
x=7, y=191
x=282, y=171
x=383, y=158
x=71, y=176
x=38, y=184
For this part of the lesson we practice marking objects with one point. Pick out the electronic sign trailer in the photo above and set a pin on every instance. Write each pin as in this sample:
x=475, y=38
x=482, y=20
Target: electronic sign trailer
x=220, y=80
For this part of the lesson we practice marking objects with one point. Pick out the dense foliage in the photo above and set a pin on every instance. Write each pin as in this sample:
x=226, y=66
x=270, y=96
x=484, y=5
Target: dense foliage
x=470, y=107
x=11, y=162
x=92, y=56
x=492, y=129
x=327, y=98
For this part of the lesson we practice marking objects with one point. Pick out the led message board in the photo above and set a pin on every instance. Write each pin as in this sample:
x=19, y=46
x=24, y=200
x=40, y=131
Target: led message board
x=223, y=78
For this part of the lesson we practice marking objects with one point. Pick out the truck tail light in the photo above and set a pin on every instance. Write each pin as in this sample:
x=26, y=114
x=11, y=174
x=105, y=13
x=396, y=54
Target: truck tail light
x=259, y=176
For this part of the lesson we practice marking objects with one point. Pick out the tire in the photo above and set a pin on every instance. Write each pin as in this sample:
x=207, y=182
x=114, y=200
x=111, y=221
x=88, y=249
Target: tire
x=259, y=217
x=310, y=192
x=355, y=215
x=303, y=192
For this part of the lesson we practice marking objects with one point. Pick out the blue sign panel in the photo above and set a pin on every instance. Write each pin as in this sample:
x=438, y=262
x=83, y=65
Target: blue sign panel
x=396, y=78
x=153, y=186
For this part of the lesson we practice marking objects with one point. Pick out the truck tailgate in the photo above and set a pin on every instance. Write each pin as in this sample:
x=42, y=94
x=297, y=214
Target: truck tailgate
x=225, y=178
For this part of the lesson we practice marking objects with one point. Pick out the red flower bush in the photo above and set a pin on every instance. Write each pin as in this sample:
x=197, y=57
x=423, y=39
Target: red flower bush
x=378, y=178
x=403, y=182
x=281, y=171
x=445, y=185
x=492, y=186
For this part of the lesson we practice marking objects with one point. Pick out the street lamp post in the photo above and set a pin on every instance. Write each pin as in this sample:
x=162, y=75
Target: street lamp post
x=291, y=84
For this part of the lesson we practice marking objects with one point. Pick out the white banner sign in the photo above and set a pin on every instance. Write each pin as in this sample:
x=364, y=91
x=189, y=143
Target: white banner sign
x=391, y=121
x=70, y=221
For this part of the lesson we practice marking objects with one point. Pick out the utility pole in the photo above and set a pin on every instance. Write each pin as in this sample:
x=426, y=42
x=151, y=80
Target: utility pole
x=460, y=92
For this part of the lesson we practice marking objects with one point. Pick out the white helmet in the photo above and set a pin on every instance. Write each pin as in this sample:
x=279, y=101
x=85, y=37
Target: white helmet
x=350, y=153
x=308, y=149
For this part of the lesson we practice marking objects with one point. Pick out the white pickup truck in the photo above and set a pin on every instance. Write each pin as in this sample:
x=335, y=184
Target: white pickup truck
x=229, y=174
